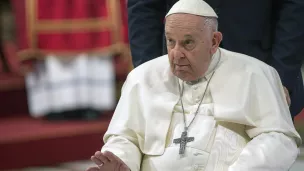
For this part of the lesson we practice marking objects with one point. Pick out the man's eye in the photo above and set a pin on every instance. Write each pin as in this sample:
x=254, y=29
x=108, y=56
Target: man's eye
x=187, y=42
x=170, y=41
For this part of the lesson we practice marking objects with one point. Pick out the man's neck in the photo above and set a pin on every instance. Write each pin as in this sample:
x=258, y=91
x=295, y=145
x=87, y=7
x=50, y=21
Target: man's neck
x=194, y=81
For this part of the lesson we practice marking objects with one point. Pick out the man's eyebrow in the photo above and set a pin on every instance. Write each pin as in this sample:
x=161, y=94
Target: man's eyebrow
x=188, y=36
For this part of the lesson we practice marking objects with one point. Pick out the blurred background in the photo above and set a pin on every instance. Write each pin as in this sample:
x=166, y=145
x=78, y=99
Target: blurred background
x=62, y=65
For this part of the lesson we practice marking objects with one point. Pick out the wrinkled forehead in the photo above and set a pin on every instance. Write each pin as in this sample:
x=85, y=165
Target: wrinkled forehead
x=184, y=22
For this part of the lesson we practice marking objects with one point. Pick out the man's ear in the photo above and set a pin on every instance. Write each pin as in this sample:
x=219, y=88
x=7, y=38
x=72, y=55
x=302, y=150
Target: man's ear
x=217, y=39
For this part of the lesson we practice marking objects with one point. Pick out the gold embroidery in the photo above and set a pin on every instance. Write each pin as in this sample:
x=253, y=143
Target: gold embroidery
x=30, y=6
x=40, y=54
x=59, y=26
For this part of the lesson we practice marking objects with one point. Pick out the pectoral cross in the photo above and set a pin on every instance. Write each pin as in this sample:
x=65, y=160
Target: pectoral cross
x=183, y=140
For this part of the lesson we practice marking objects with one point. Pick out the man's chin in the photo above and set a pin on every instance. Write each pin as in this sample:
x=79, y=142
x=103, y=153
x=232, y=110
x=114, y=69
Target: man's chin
x=183, y=76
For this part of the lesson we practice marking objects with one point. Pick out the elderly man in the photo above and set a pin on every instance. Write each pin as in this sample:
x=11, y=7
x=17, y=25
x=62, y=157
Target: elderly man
x=206, y=108
x=269, y=30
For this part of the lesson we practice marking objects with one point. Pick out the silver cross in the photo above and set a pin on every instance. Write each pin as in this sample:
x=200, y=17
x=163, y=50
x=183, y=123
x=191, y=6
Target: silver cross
x=183, y=140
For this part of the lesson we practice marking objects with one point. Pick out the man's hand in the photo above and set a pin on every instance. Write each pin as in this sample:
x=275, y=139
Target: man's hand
x=287, y=96
x=107, y=161
x=93, y=169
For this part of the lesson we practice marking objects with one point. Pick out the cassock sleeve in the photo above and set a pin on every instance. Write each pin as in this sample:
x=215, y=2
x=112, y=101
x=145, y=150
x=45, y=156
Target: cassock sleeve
x=126, y=128
x=274, y=139
x=146, y=29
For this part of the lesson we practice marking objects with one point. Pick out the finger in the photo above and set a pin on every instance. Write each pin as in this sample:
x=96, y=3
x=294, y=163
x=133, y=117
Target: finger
x=288, y=100
x=124, y=167
x=101, y=157
x=286, y=91
x=112, y=157
x=93, y=169
x=117, y=166
x=287, y=96
x=96, y=160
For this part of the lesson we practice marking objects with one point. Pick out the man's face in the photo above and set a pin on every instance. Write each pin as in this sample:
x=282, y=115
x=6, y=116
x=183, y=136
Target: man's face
x=190, y=45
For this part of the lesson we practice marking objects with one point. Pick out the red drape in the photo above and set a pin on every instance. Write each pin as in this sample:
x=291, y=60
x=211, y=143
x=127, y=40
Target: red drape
x=66, y=27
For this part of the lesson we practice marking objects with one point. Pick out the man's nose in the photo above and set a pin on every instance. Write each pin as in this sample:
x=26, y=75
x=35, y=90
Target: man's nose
x=178, y=54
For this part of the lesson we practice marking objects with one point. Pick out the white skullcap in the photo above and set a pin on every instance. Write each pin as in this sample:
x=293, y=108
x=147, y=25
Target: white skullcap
x=195, y=7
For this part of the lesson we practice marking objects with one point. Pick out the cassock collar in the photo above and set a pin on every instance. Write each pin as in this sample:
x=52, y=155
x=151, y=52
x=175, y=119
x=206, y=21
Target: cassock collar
x=213, y=64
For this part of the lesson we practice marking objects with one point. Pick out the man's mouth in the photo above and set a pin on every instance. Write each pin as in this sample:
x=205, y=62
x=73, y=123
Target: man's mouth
x=180, y=65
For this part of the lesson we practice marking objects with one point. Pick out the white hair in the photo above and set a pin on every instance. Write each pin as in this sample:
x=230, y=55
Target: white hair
x=211, y=23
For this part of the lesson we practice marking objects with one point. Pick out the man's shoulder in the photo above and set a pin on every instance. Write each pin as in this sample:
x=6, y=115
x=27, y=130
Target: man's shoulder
x=151, y=66
x=158, y=62
x=151, y=69
x=245, y=62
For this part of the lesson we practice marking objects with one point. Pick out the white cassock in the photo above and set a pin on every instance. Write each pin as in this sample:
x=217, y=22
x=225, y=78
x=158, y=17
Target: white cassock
x=243, y=123
x=59, y=85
